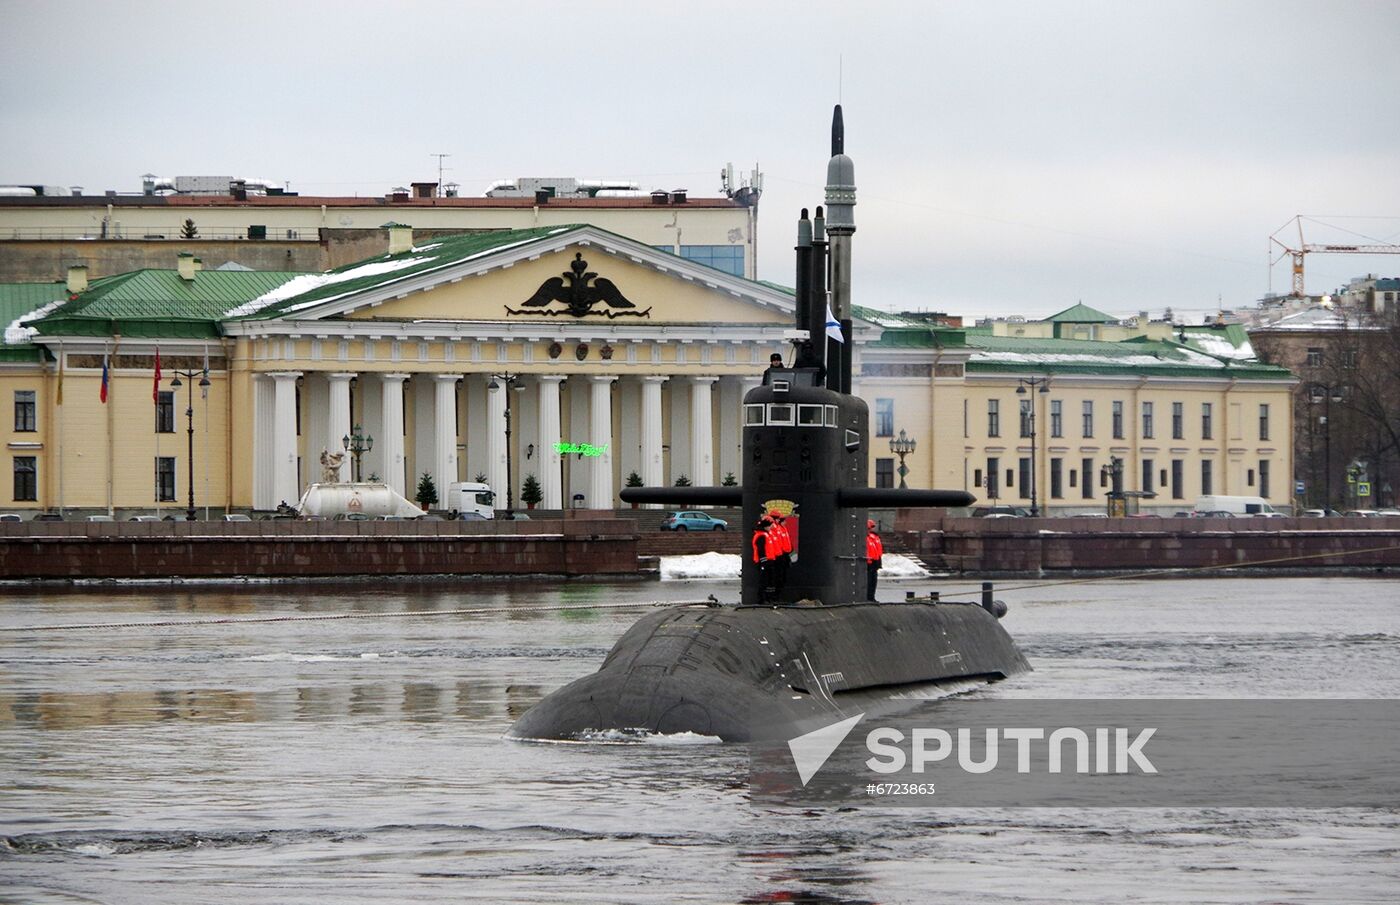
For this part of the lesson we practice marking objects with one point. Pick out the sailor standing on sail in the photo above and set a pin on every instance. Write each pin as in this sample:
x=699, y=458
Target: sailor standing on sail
x=874, y=555
x=762, y=555
x=782, y=550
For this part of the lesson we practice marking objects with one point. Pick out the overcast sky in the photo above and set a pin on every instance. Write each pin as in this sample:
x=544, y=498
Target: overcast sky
x=1010, y=157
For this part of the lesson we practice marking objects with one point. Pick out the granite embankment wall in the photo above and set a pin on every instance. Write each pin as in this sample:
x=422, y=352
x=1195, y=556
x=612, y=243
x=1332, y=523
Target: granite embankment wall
x=1129, y=545
x=595, y=545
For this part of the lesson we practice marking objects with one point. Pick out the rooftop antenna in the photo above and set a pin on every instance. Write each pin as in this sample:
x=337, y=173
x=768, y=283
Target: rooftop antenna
x=438, y=190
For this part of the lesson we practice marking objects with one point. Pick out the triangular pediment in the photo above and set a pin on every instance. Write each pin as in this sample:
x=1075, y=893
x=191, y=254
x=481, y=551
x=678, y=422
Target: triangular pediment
x=568, y=276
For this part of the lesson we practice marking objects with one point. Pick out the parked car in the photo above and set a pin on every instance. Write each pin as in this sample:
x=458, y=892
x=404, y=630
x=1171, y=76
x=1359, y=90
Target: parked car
x=1388, y=513
x=692, y=520
x=1215, y=513
x=1361, y=513
x=471, y=517
x=237, y=517
x=100, y=518
x=144, y=518
x=1001, y=512
x=10, y=517
x=49, y=517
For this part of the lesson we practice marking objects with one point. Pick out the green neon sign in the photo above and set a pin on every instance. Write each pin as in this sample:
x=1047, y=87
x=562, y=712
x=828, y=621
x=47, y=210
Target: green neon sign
x=582, y=449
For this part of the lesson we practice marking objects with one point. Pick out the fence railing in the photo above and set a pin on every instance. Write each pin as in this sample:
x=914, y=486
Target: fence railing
x=127, y=234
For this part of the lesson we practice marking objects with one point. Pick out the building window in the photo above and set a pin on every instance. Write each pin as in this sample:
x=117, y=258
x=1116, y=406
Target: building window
x=1264, y=421
x=1010, y=478
x=976, y=477
x=1205, y=420
x=993, y=418
x=165, y=478
x=1147, y=421
x=1072, y=478
x=1178, y=480
x=993, y=464
x=965, y=433
x=1207, y=476
x=1314, y=357
x=1057, y=418
x=1088, y=417
x=1349, y=358
x=729, y=258
x=1117, y=420
x=884, y=417
x=1086, y=483
x=165, y=412
x=24, y=410
x=1057, y=480
x=1249, y=477
x=1146, y=475
x=26, y=478
x=1023, y=467
x=1178, y=421
x=1264, y=478
x=1025, y=407
x=884, y=472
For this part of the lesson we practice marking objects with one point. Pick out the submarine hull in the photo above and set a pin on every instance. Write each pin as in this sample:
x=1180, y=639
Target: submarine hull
x=747, y=673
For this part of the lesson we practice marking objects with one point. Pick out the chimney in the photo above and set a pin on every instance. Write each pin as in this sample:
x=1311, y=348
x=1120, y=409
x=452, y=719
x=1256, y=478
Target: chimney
x=198, y=265
x=77, y=278
x=400, y=237
x=187, y=267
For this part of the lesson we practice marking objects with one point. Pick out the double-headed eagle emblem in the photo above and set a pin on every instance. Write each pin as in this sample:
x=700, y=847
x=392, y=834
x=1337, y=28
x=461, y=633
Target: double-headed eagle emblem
x=578, y=295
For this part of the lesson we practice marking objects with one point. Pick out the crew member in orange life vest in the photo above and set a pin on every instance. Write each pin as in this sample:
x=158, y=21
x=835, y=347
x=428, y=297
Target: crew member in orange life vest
x=781, y=552
x=763, y=555
x=874, y=554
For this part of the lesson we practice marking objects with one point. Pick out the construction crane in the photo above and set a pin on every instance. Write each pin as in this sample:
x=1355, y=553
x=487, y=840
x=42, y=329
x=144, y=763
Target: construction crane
x=1305, y=248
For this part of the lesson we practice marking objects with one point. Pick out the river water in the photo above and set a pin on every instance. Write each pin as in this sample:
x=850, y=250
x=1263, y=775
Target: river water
x=363, y=760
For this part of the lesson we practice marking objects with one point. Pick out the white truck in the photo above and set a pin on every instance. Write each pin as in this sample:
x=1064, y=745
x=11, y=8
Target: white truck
x=356, y=499
x=1237, y=506
x=472, y=497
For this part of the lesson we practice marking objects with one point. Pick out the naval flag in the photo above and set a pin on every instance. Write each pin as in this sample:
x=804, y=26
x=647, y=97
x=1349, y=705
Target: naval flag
x=833, y=326
x=102, y=393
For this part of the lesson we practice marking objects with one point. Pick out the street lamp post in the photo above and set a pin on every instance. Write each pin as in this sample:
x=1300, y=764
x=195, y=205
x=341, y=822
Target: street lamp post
x=1326, y=394
x=513, y=382
x=902, y=446
x=1039, y=385
x=357, y=444
x=189, y=419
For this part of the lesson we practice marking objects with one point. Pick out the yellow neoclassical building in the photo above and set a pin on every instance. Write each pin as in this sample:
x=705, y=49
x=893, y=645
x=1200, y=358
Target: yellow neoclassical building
x=577, y=357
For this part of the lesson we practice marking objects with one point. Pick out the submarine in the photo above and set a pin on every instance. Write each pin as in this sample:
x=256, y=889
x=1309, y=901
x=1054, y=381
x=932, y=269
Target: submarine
x=816, y=650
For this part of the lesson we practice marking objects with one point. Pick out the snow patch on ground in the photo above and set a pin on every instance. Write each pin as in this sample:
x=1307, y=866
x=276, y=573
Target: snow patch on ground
x=725, y=567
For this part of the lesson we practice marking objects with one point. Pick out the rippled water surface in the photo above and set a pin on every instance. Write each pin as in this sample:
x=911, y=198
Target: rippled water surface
x=363, y=760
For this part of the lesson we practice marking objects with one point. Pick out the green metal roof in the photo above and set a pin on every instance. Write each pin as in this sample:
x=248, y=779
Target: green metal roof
x=1138, y=356
x=158, y=303
x=442, y=251
x=1080, y=314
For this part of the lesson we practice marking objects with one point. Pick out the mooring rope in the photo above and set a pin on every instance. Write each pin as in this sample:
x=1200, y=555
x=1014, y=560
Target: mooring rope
x=327, y=617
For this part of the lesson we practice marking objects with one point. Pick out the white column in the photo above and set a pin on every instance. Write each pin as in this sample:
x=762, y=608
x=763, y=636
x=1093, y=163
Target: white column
x=284, y=438
x=391, y=414
x=338, y=422
x=444, y=434
x=551, y=475
x=600, y=472
x=653, y=466
x=702, y=433
x=496, y=451
x=263, y=401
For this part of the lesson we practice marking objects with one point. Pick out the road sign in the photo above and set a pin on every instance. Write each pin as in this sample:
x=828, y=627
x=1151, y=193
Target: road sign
x=1363, y=489
x=1299, y=488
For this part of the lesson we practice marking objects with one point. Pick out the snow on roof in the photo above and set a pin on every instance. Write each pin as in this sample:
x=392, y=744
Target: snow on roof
x=309, y=281
x=1221, y=347
x=17, y=334
x=1183, y=357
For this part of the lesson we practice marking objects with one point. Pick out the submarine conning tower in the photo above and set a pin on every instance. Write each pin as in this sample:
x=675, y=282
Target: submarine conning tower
x=806, y=438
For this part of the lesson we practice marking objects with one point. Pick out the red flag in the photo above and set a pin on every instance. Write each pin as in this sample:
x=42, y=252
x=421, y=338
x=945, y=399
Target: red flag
x=155, y=389
x=102, y=394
